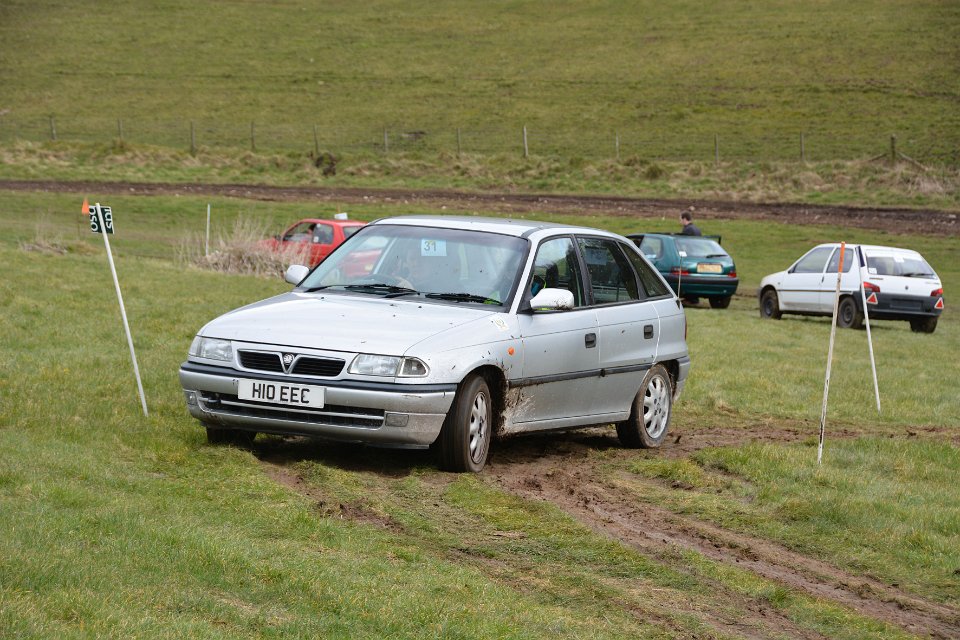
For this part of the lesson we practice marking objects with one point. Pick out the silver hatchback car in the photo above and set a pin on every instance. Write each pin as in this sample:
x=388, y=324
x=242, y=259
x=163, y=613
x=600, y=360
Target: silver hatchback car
x=427, y=331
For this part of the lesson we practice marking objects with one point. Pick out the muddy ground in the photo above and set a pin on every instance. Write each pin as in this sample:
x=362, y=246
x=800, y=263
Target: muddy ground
x=896, y=220
x=565, y=470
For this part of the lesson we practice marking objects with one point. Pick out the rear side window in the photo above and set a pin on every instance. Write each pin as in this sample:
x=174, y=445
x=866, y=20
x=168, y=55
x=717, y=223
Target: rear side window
x=653, y=286
x=899, y=264
x=849, y=257
x=610, y=273
x=813, y=262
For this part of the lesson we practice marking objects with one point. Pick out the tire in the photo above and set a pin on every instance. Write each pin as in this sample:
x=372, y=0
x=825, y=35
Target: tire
x=649, y=420
x=720, y=302
x=923, y=325
x=464, y=442
x=220, y=436
x=848, y=316
x=770, y=305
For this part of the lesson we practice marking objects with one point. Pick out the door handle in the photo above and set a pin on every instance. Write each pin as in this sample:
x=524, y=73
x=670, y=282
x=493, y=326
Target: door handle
x=590, y=340
x=647, y=331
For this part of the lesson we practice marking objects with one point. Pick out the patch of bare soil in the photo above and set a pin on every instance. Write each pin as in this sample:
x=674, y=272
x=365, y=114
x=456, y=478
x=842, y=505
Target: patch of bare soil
x=564, y=470
x=894, y=220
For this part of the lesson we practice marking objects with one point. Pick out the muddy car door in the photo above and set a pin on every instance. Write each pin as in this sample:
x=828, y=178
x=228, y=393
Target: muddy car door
x=628, y=326
x=560, y=354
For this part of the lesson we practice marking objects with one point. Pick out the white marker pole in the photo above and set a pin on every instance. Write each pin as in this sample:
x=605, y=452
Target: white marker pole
x=833, y=333
x=123, y=311
x=206, y=244
x=861, y=263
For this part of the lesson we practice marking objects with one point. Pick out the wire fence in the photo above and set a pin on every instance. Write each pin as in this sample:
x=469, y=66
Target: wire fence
x=733, y=143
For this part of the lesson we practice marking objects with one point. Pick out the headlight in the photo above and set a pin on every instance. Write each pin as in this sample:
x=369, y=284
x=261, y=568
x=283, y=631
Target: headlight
x=212, y=349
x=390, y=366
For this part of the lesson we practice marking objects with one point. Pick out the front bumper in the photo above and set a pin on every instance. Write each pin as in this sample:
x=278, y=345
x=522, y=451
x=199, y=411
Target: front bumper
x=388, y=414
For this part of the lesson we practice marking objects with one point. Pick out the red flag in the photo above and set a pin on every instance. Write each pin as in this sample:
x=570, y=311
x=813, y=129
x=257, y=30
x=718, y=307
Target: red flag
x=86, y=208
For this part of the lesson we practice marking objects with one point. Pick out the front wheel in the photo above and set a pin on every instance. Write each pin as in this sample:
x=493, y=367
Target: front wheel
x=649, y=419
x=465, y=437
x=848, y=316
x=923, y=325
x=720, y=302
x=770, y=305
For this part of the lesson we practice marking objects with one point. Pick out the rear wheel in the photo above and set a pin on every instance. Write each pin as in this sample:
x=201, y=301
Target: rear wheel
x=848, y=316
x=720, y=302
x=923, y=325
x=465, y=438
x=770, y=305
x=649, y=419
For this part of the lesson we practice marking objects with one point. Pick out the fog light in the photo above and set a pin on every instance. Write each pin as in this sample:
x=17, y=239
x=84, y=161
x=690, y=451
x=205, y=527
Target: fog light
x=191, y=397
x=396, y=419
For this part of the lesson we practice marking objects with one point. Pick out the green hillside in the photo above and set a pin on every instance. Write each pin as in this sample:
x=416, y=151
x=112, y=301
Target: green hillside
x=667, y=77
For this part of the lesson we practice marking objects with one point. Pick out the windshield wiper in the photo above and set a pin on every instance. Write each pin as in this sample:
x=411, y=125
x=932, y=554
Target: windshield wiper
x=375, y=287
x=463, y=297
x=916, y=274
x=717, y=255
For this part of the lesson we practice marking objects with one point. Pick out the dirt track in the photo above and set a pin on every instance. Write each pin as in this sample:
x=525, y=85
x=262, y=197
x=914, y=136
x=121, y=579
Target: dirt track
x=895, y=220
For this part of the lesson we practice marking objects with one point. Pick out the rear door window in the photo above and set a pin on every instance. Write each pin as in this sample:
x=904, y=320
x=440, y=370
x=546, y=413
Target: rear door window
x=611, y=276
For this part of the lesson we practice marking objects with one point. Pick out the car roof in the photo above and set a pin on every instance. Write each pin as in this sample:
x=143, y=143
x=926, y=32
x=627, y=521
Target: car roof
x=506, y=226
x=870, y=248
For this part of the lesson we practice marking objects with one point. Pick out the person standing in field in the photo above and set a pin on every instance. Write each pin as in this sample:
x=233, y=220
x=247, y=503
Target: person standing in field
x=686, y=219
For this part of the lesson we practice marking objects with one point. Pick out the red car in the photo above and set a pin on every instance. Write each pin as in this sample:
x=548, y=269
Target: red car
x=322, y=235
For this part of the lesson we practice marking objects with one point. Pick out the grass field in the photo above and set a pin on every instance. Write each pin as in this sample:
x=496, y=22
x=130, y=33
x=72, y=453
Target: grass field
x=667, y=77
x=116, y=525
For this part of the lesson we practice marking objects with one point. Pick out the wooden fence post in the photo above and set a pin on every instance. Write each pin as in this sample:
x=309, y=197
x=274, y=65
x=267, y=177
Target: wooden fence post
x=459, y=146
x=316, y=143
x=803, y=151
x=120, y=129
x=617, y=139
x=716, y=150
x=253, y=137
x=386, y=141
x=53, y=129
x=193, y=139
x=526, y=149
x=893, y=150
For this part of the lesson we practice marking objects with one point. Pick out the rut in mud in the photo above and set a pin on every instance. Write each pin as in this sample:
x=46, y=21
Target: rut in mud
x=572, y=472
x=561, y=471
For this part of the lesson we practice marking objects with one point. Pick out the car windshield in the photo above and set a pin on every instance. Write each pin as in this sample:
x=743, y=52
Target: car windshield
x=694, y=247
x=899, y=264
x=449, y=265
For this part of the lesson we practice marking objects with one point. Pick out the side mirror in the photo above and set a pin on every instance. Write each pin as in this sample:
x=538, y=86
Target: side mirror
x=552, y=299
x=296, y=273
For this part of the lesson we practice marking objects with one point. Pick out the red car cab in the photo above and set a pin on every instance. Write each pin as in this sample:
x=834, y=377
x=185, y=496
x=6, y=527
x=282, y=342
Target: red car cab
x=323, y=236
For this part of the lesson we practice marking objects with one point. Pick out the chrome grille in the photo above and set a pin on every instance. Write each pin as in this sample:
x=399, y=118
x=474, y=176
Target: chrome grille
x=261, y=361
x=310, y=366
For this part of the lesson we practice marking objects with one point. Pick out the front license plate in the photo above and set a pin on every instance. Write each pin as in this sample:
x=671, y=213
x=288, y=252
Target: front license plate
x=709, y=268
x=299, y=395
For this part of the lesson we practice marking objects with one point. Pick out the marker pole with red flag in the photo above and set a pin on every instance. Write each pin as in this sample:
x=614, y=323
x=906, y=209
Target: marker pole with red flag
x=104, y=222
x=861, y=261
x=833, y=333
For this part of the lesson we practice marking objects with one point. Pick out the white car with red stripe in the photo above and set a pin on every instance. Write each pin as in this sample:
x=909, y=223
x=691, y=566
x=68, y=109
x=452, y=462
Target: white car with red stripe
x=897, y=284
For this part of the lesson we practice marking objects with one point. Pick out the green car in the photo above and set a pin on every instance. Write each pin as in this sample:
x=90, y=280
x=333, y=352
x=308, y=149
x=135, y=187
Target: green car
x=694, y=266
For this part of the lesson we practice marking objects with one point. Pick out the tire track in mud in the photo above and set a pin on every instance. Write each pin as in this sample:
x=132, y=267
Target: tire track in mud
x=895, y=220
x=562, y=472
